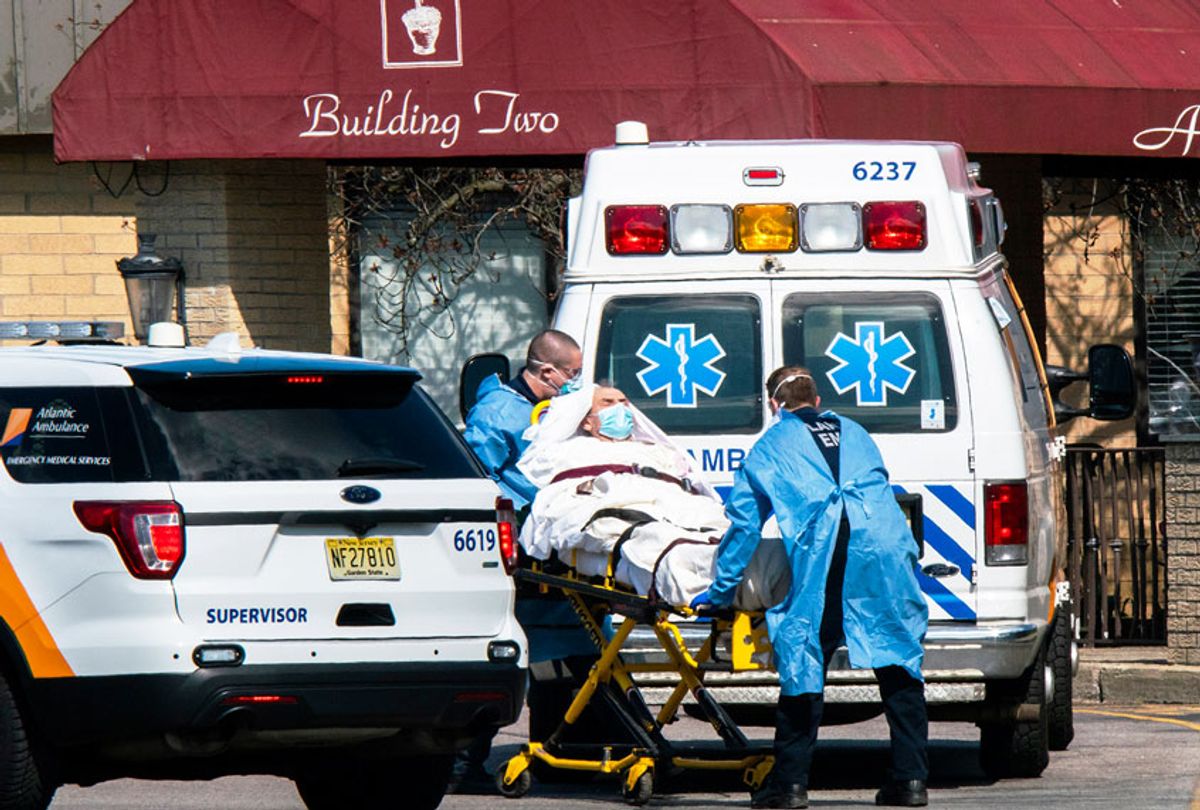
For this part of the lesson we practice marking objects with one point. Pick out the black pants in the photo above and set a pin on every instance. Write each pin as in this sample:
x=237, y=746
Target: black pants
x=798, y=717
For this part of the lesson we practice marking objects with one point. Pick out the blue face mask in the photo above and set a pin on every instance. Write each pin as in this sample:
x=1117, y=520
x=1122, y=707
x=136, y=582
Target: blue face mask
x=572, y=384
x=616, y=422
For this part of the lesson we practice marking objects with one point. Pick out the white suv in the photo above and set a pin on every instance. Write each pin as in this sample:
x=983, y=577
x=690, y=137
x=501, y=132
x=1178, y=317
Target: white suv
x=220, y=562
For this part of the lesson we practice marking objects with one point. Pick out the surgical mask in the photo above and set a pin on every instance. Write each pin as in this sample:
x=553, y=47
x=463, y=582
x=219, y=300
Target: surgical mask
x=572, y=384
x=616, y=422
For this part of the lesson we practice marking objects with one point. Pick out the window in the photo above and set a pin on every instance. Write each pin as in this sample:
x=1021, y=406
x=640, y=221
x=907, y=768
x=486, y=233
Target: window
x=60, y=435
x=692, y=363
x=882, y=360
x=240, y=429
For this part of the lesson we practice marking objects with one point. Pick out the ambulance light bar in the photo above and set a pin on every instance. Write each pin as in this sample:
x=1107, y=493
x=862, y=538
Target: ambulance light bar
x=689, y=229
x=765, y=228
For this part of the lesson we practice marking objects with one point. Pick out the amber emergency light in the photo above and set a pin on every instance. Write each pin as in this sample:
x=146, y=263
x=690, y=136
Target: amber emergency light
x=765, y=228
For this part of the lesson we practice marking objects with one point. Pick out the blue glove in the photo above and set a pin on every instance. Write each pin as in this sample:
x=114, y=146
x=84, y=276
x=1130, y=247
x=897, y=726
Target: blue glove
x=701, y=601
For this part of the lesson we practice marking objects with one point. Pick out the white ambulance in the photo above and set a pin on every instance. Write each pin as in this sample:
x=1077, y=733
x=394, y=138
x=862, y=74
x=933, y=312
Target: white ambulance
x=694, y=269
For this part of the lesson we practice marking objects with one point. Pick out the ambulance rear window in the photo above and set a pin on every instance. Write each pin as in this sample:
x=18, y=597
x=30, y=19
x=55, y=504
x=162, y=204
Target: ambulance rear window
x=692, y=363
x=882, y=360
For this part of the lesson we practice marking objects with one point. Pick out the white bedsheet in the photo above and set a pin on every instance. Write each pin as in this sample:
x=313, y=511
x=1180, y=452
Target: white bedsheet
x=563, y=518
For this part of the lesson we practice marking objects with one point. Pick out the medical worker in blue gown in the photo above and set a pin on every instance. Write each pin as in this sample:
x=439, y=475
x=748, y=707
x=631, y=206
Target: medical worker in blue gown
x=853, y=582
x=559, y=647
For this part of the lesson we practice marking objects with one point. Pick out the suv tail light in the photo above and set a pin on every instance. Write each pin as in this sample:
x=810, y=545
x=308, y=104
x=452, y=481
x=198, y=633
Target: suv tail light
x=1006, y=523
x=506, y=521
x=149, y=534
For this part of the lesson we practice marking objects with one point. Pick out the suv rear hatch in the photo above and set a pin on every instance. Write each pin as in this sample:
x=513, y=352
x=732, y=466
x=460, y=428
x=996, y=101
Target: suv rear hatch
x=321, y=500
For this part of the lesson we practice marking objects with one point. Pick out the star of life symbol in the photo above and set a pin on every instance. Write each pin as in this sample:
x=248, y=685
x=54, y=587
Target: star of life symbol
x=681, y=365
x=871, y=363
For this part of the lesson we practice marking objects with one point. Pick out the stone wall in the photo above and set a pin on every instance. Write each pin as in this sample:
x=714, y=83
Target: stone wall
x=1183, y=552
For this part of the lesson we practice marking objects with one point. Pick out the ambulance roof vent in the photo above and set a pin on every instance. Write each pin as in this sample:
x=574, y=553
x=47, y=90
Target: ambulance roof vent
x=632, y=133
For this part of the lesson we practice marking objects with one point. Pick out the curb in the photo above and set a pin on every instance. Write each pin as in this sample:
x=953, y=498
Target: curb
x=1127, y=683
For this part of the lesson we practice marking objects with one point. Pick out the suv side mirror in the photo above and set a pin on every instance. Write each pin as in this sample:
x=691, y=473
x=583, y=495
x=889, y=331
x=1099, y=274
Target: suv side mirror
x=1113, y=392
x=478, y=368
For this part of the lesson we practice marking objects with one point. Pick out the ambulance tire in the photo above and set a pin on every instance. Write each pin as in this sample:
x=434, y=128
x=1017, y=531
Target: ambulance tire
x=23, y=783
x=1017, y=748
x=1059, y=706
x=414, y=783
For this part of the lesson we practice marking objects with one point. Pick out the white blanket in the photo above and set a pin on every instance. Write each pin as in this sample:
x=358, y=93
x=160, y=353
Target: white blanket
x=673, y=531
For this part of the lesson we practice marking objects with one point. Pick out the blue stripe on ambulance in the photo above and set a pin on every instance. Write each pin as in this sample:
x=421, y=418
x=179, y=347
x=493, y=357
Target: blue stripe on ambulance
x=949, y=526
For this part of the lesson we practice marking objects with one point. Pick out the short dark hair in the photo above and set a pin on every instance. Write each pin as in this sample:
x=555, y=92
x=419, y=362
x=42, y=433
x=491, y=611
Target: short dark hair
x=792, y=393
x=552, y=347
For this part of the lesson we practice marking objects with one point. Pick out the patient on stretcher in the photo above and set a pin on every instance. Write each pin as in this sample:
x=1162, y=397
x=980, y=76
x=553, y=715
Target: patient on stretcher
x=615, y=491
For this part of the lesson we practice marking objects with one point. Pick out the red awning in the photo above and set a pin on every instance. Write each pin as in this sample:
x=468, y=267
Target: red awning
x=379, y=79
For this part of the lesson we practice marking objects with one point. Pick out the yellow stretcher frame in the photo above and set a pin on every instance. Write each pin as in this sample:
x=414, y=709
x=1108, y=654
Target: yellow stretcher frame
x=612, y=678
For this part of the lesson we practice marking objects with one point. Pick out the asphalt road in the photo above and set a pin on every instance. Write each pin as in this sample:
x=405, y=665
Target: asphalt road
x=1121, y=758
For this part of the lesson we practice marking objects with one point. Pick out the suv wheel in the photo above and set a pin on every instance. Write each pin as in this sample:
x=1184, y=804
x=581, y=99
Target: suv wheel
x=415, y=783
x=23, y=784
x=1058, y=706
x=1018, y=748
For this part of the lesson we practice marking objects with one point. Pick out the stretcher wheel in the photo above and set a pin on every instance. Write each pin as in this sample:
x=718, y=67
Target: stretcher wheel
x=518, y=787
x=642, y=790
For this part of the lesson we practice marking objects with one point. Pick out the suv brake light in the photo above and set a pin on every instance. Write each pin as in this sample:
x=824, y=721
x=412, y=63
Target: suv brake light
x=149, y=534
x=1006, y=523
x=506, y=520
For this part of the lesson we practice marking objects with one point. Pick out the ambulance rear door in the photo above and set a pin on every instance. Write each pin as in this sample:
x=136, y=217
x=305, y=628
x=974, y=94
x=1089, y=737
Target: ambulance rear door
x=886, y=353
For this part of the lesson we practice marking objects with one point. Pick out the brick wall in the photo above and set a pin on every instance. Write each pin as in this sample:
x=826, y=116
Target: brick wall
x=1183, y=562
x=60, y=238
x=252, y=236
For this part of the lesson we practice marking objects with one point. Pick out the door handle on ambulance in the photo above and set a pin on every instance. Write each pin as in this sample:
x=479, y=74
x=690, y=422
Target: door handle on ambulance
x=939, y=570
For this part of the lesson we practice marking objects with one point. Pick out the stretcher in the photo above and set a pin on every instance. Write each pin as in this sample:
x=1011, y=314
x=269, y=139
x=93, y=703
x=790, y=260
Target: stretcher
x=737, y=642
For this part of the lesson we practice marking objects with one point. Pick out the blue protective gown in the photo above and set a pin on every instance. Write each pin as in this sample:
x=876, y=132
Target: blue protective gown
x=494, y=427
x=885, y=613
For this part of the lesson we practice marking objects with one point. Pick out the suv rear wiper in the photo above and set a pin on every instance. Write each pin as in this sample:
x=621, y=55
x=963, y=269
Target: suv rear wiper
x=377, y=466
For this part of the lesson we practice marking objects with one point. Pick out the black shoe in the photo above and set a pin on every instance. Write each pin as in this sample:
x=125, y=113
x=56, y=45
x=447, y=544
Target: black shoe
x=903, y=794
x=473, y=782
x=775, y=795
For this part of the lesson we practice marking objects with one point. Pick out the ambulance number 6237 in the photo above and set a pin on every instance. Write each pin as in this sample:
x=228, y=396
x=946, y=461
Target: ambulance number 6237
x=468, y=540
x=886, y=170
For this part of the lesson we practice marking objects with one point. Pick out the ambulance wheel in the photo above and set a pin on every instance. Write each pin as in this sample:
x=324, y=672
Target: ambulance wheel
x=23, y=782
x=414, y=783
x=519, y=787
x=643, y=789
x=1018, y=748
x=1059, y=706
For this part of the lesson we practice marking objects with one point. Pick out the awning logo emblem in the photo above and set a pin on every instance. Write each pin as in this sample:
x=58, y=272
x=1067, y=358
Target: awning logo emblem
x=421, y=33
x=681, y=365
x=870, y=363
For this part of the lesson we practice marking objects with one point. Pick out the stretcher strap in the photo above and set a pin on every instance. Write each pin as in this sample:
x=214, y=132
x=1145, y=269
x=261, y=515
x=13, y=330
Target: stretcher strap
x=633, y=517
x=679, y=541
x=635, y=469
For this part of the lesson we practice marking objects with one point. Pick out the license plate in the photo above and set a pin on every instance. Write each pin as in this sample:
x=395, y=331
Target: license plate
x=362, y=558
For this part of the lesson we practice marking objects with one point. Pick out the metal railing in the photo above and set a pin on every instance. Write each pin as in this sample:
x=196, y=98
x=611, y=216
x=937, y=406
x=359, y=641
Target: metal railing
x=1117, y=544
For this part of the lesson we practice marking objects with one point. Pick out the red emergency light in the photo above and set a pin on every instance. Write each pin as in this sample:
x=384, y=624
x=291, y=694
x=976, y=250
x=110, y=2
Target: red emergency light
x=634, y=229
x=894, y=225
